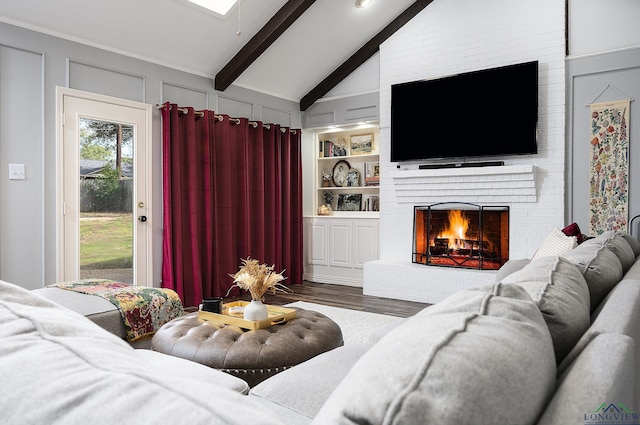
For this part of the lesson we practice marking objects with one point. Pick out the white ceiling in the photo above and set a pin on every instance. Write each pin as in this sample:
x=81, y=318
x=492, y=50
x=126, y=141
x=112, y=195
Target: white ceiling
x=183, y=36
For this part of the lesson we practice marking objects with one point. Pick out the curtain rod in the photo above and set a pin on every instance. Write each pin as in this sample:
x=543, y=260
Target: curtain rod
x=186, y=111
x=236, y=121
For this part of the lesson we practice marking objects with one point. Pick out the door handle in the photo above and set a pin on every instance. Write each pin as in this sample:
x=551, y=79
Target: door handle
x=142, y=218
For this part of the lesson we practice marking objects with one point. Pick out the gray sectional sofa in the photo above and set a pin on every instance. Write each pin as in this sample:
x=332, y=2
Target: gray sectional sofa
x=553, y=341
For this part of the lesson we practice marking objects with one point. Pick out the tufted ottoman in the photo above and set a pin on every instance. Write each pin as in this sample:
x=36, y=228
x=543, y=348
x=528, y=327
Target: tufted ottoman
x=251, y=355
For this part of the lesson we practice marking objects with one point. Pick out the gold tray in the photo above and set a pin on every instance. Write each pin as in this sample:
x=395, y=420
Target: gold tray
x=276, y=315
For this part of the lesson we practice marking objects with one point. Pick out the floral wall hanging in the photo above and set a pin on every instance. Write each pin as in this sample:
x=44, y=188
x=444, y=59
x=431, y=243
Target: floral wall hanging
x=609, y=167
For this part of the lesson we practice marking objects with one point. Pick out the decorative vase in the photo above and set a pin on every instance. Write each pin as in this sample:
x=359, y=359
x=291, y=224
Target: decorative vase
x=324, y=210
x=255, y=310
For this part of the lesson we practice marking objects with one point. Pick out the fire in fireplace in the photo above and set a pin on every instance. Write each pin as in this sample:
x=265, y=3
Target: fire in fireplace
x=461, y=235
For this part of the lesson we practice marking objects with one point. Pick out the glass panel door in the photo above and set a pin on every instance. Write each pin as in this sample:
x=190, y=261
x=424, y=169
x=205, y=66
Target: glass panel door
x=106, y=200
x=105, y=189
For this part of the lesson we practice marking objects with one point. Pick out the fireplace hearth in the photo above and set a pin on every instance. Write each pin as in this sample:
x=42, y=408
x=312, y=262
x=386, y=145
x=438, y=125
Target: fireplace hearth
x=457, y=234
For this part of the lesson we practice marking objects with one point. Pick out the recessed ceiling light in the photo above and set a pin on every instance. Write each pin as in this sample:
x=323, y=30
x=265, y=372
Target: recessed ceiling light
x=218, y=6
x=363, y=3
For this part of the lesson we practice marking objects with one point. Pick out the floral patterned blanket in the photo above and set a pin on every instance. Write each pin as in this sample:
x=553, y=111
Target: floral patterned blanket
x=144, y=310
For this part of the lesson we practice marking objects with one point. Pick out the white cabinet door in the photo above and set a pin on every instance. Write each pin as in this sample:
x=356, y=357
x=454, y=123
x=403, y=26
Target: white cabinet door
x=317, y=246
x=365, y=242
x=340, y=243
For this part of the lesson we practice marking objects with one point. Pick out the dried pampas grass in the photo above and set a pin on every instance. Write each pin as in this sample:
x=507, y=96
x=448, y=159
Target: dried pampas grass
x=258, y=279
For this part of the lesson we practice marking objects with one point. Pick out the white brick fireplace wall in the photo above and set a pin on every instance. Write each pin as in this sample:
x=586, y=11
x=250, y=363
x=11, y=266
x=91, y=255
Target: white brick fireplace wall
x=451, y=37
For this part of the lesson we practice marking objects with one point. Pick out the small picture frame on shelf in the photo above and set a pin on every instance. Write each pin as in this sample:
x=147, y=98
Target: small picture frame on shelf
x=353, y=178
x=361, y=144
x=371, y=203
x=375, y=203
x=372, y=173
x=349, y=201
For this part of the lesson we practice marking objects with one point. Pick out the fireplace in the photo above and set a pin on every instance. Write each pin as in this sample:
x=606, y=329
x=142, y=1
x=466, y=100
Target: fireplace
x=456, y=234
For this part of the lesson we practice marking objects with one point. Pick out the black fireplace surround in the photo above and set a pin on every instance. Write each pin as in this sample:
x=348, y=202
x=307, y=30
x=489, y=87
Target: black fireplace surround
x=460, y=234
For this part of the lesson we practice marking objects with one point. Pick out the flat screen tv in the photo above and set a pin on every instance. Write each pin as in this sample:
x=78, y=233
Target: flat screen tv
x=488, y=113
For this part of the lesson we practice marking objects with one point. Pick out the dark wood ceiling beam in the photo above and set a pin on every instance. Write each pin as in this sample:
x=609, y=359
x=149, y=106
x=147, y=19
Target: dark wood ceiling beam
x=260, y=42
x=362, y=55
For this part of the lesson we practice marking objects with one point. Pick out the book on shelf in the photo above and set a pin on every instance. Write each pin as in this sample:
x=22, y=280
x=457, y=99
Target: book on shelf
x=372, y=173
x=328, y=149
x=371, y=203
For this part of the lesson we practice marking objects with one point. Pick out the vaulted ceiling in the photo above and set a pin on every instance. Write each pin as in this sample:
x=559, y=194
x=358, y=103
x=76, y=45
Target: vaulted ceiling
x=297, y=49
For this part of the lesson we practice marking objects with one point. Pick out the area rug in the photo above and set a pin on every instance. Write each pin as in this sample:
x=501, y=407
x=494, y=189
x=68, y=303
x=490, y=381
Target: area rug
x=356, y=325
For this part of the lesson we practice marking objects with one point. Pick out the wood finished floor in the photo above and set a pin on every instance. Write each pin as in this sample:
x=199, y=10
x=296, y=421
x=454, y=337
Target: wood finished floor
x=342, y=296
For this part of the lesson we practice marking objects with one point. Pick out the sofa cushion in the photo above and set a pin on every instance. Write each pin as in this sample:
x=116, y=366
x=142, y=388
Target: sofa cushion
x=617, y=243
x=62, y=368
x=619, y=313
x=600, y=267
x=511, y=266
x=97, y=309
x=181, y=368
x=561, y=293
x=556, y=243
x=633, y=243
x=291, y=388
x=601, y=374
x=487, y=351
x=633, y=272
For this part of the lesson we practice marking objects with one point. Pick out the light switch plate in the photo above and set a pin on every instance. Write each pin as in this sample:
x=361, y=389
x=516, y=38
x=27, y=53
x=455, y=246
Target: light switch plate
x=16, y=172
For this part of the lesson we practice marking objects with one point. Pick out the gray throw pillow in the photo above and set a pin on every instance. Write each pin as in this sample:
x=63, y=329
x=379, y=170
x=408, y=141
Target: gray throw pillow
x=618, y=244
x=480, y=356
x=600, y=267
x=561, y=293
x=511, y=266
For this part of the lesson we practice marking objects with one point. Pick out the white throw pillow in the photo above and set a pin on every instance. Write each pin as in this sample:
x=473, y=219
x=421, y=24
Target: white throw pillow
x=556, y=243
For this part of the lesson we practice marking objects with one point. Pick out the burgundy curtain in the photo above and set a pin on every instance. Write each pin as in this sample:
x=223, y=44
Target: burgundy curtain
x=232, y=189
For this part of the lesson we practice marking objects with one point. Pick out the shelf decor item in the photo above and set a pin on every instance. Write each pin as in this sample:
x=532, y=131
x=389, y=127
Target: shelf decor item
x=328, y=149
x=255, y=311
x=328, y=198
x=372, y=173
x=339, y=175
x=324, y=210
x=361, y=144
x=340, y=147
x=257, y=279
x=353, y=178
x=349, y=202
x=326, y=178
x=232, y=314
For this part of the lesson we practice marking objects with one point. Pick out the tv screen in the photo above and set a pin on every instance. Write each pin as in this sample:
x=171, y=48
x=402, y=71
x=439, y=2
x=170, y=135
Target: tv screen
x=493, y=112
